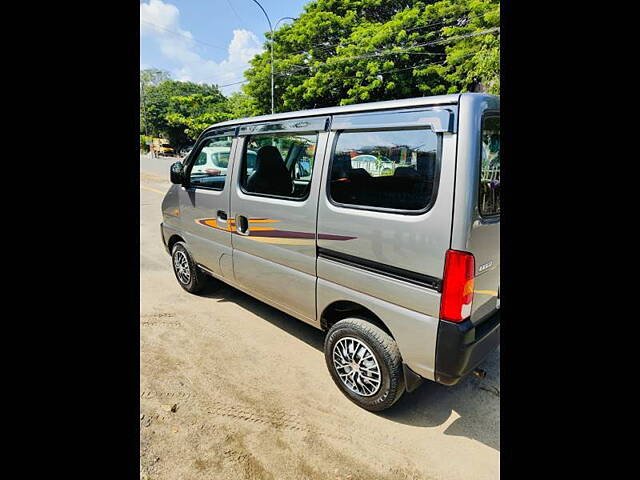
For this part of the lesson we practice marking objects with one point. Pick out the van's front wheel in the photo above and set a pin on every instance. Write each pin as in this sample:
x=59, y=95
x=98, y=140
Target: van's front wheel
x=365, y=363
x=188, y=274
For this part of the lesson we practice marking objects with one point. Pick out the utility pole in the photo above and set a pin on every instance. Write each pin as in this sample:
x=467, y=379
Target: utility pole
x=271, y=45
x=144, y=110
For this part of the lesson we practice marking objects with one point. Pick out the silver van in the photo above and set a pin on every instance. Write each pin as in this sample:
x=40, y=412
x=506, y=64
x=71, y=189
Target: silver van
x=398, y=262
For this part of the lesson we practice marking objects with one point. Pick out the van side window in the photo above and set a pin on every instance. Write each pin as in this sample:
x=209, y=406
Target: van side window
x=489, y=197
x=211, y=163
x=391, y=169
x=278, y=164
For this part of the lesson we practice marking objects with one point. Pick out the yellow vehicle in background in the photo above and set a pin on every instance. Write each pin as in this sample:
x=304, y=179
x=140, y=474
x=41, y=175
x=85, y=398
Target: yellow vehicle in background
x=161, y=147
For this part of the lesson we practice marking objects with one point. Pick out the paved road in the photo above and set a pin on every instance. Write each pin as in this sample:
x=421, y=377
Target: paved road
x=157, y=166
x=253, y=398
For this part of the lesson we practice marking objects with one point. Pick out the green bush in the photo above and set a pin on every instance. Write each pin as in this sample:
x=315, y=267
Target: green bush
x=143, y=143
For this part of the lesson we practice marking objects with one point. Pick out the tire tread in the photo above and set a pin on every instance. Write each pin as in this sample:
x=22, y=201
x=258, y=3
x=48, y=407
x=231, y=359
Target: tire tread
x=198, y=277
x=391, y=356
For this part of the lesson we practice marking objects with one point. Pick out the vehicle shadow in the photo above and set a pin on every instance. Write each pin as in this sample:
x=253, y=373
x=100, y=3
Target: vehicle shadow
x=474, y=402
x=291, y=325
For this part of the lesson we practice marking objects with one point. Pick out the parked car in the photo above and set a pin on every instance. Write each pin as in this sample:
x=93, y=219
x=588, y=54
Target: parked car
x=373, y=165
x=184, y=151
x=215, y=160
x=162, y=148
x=401, y=271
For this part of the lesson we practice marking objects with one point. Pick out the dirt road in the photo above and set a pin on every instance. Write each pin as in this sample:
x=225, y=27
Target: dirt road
x=232, y=388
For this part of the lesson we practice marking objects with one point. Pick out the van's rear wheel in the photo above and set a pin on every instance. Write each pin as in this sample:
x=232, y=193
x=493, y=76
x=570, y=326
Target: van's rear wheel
x=365, y=363
x=189, y=276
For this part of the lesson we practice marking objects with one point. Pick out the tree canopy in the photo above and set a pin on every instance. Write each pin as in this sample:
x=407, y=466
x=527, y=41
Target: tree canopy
x=340, y=52
x=180, y=111
x=170, y=105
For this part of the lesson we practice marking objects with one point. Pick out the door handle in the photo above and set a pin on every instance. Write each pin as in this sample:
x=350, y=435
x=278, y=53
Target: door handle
x=222, y=216
x=242, y=225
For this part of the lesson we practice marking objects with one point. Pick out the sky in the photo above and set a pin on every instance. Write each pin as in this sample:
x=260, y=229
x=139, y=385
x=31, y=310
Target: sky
x=207, y=41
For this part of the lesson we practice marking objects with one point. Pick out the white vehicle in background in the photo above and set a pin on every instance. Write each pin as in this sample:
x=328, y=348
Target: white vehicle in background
x=214, y=161
x=371, y=164
x=185, y=151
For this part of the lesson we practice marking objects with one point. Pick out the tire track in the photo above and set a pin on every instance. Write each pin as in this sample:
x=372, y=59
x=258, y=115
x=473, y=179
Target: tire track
x=280, y=419
x=154, y=320
x=160, y=324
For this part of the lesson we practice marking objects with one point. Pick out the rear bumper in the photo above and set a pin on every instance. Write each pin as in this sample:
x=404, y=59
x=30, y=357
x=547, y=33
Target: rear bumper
x=462, y=346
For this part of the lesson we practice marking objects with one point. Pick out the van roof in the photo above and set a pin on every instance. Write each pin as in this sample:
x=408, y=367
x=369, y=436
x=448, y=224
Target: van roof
x=435, y=100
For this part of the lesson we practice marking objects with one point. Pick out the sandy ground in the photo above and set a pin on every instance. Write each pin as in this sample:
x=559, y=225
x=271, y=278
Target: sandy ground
x=231, y=388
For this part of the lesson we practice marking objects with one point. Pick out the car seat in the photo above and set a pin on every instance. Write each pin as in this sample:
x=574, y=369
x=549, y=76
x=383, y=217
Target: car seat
x=270, y=176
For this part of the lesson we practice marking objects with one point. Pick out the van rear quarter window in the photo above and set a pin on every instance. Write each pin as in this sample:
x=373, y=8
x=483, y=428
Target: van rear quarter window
x=489, y=195
x=389, y=169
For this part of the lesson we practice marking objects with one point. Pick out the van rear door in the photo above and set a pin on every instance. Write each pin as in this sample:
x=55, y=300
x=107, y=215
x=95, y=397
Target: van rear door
x=485, y=231
x=476, y=227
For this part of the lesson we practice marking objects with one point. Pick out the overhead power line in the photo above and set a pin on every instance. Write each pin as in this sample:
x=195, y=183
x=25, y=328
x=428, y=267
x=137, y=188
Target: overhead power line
x=382, y=53
x=183, y=35
x=412, y=67
x=236, y=14
x=437, y=42
x=213, y=82
x=325, y=45
x=229, y=84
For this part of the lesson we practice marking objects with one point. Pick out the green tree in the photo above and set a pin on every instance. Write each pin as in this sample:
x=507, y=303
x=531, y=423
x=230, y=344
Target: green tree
x=340, y=52
x=193, y=113
x=473, y=61
x=148, y=77
x=153, y=76
x=160, y=103
x=241, y=105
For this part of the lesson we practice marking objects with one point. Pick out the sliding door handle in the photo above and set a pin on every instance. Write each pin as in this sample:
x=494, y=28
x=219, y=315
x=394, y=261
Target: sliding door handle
x=222, y=216
x=242, y=225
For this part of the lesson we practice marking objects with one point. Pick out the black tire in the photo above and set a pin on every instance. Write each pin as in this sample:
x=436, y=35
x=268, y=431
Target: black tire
x=196, y=277
x=386, y=353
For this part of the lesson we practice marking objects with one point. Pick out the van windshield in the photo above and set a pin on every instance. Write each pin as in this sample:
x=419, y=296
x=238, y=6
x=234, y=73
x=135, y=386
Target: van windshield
x=489, y=197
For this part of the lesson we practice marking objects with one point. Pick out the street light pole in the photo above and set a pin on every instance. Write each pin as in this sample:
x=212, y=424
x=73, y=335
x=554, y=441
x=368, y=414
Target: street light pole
x=271, y=45
x=283, y=18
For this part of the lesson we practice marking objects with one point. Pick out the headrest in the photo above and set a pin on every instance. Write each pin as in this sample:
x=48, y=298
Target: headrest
x=426, y=163
x=268, y=157
x=341, y=166
x=406, y=172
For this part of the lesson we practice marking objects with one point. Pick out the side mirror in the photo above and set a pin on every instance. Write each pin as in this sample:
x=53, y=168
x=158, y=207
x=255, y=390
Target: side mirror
x=177, y=173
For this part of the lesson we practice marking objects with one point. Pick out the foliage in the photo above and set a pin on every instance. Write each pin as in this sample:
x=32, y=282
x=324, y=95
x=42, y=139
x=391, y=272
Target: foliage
x=180, y=111
x=241, y=105
x=340, y=52
x=193, y=113
x=159, y=104
x=143, y=142
x=152, y=77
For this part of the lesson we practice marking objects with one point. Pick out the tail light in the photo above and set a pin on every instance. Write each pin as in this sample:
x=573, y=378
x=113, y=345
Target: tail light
x=457, y=286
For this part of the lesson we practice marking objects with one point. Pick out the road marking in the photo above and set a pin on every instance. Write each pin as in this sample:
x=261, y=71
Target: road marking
x=152, y=189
